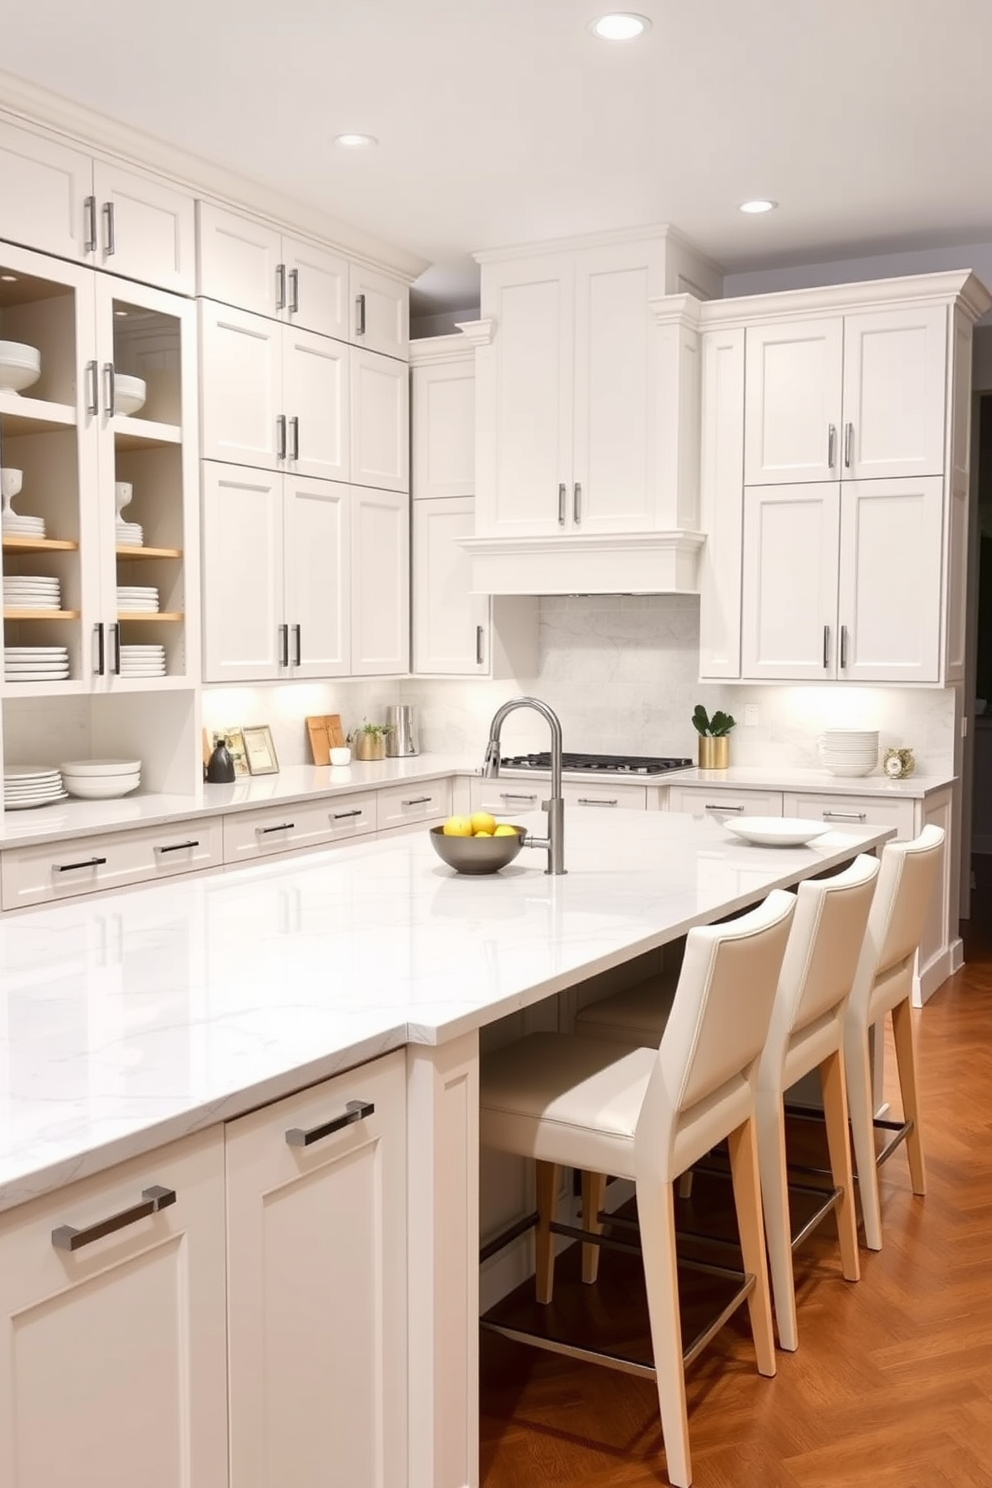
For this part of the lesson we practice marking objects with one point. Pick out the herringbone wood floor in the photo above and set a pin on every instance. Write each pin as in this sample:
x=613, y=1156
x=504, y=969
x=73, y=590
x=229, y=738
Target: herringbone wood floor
x=892, y=1384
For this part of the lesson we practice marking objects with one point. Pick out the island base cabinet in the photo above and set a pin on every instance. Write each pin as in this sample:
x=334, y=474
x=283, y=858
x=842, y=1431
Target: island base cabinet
x=113, y=1363
x=317, y=1285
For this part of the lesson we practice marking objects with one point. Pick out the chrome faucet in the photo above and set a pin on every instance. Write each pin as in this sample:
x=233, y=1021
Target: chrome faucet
x=555, y=805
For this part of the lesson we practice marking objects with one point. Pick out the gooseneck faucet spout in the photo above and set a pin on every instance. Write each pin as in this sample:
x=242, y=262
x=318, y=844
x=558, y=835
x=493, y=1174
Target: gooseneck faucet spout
x=555, y=805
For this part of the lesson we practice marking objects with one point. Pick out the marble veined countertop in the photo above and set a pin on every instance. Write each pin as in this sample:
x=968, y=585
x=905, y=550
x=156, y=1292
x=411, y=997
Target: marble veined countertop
x=68, y=819
x=129, y=1020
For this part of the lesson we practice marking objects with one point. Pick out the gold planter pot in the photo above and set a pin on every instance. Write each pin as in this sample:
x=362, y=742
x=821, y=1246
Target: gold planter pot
x=714, y=752
x=369, y=746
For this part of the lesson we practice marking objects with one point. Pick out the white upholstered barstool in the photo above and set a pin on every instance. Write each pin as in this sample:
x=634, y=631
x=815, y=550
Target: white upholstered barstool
x=646, y=1115
x=806, y=1032
x=883, y=983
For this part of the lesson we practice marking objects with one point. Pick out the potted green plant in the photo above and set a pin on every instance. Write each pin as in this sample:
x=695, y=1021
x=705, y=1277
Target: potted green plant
x=714, y=737
x=369, y=741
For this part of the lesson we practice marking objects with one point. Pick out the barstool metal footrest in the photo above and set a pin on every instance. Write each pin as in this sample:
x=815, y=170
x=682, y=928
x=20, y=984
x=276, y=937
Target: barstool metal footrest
x=507, y=1236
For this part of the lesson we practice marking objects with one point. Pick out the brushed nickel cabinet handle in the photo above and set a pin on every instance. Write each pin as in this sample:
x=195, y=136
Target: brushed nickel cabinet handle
x=115, y=641
x=831, y=445
x=280, y=286
x=848, y=440
x=280, y=436
x=298, y=648
x=284, y=645
x=89, y=207
x=360, y=315
x=355, y=1110
x=343, y=815
x=826, y=647
x=110, y=228
x=66, y=1237
x=589, y=801
x=845, y=816
x=101, y=654
x=416, y=801
x=109, y=389
x=843, y=648
x=577, y=503
x=516, y=796
x=561, y=503
x=294, y=291
x=478, y=646
x=294, y=433
x=710, y=807
x=93, y=388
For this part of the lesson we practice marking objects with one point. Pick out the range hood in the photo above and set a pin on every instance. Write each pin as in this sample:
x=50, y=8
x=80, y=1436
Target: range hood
x=612, y=563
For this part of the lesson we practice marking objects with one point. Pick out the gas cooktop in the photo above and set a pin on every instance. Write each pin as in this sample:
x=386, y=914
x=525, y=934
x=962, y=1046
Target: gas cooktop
x=605, y=764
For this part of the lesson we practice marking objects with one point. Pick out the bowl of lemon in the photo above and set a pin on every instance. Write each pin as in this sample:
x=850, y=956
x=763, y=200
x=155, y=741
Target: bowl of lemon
x=477, y=843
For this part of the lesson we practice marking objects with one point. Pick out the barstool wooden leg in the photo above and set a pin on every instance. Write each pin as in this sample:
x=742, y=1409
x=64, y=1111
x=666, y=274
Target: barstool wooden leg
x=656, y=1216
x=544, y=1241
x=593, y=1194
x=904, y=1035
x=859, y=1102
x=839, y=1147
x=778, y=1223
x=747, y=1201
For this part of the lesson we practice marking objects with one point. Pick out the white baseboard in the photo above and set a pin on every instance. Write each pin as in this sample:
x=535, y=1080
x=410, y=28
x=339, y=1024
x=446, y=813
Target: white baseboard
x=935, y=974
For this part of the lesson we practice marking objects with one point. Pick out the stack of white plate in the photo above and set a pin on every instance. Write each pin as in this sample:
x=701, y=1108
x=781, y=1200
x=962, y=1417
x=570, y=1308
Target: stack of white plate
x=20, y=365
x=142, y=661
x=101, y=779
x=35, y=663
x=137, y=598
x=130, y=534
x=17, y=526
x=29, y=785
x=24, y=592
x=849, y=751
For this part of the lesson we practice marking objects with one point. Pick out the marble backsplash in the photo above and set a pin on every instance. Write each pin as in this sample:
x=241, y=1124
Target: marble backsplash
x=620, y=671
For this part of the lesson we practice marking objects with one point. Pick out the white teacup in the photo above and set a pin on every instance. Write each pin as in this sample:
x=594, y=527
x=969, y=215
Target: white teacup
x=340, y=756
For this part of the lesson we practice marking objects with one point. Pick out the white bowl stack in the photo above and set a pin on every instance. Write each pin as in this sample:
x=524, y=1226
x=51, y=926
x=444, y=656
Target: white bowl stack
x=129, y=394
x=101, y=779
x=142, y=661
x=35, y=663
x=25, y=786
x=849, y=751
x=20, y=366
x=137, y=599
x=31, y=592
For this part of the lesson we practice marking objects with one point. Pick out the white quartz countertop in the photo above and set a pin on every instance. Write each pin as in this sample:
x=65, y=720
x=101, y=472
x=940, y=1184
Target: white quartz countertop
x=70, y=819
x=130, y=1020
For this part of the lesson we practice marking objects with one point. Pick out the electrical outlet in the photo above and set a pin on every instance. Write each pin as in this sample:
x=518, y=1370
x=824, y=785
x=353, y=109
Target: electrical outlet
x=751, y=715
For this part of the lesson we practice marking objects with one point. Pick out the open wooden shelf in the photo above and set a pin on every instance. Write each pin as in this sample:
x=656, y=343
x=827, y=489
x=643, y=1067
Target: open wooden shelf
x=149, y=615
x=12, y=544
x=24, y=415
x=129, y=552
x=23, y=614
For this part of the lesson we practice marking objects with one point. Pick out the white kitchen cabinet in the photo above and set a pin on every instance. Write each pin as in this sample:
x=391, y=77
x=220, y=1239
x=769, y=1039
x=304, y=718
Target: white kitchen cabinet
x=69, y=437
x=61, y=200
x=296, y=826
x=724, y=800
x=566, y=394
x=853, y=397
x=274, y=397
x=442, y=416
x=113, y=1367
x=380, y=312
x=843, y=580
x=317, y=1278
x=456, y=632
x=380, y=421
x=507, y=797
x=245, y=262
x=408, y=807
x=302, y=578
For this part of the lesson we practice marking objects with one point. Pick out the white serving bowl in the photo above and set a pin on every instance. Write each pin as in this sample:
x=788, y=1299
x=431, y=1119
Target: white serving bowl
x=20, y=366
x=97, y=767
x=100, y=787
x=129, y=394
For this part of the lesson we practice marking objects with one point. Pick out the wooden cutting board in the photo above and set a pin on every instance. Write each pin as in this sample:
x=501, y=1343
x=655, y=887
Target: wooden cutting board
x=325, y=733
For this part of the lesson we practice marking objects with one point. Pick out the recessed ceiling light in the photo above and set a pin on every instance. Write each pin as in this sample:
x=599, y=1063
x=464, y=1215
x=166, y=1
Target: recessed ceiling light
x=758, y=206
x=355, y=141
x=619, y=26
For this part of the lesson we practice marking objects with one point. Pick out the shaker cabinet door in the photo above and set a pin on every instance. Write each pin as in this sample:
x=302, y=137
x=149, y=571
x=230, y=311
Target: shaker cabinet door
x=789, y=590
x=380, y=580
x=241, y=387
x=44, y=186
x=147, y=228
x=315, y=396
x=895, y=379
x=317, y=529
x=793, y=414
x=245, y=638
x=380, y=422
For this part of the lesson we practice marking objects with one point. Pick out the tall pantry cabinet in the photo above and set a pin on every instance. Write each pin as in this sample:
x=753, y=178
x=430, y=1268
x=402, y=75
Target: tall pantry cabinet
x=305, y=415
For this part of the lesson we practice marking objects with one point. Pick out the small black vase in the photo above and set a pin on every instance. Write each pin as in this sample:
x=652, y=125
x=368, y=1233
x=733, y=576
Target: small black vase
x=220, y=765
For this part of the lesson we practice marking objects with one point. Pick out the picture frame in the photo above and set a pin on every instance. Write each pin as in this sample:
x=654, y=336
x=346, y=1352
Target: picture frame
x=235, y=740
x=260, y=751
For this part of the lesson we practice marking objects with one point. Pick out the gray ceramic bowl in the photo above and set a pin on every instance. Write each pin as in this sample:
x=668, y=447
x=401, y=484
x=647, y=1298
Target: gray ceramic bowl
x=477, y=854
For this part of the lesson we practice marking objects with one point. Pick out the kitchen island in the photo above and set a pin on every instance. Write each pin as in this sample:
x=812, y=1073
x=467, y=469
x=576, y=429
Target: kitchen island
x=157, y=1020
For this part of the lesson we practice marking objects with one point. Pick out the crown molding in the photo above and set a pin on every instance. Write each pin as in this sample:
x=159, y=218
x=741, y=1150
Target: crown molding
x=25, y=103
x=960, y=286
x=681, y=309
x=658, y=232
x=610, y=563
x=478, y=332
x=433, y=351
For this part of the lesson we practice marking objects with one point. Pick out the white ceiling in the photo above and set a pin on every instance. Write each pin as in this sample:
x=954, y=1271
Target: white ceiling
x=504, y=121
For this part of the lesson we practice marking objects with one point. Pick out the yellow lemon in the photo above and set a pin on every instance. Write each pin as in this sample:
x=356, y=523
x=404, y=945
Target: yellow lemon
x=483, y=823
x=482, y=834
x=458, y=826
x=505, y=830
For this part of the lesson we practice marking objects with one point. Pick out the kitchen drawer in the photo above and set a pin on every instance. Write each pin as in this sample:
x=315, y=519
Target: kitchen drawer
x=841, y=811
x=605, y=797
x=726, y=800
x=301, y=824
x=84, y=865
x=411, y=805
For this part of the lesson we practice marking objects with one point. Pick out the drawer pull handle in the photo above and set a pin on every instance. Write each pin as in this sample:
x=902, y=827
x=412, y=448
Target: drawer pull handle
x=71, y=867
x=355, y=1110
x=343, y=815
x=516, y=796
x=178, y=846
x=282, y=827
x=416, y=801
x=588, y=801
x=845, y=816
x=66, y=1237
x=710, y=807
